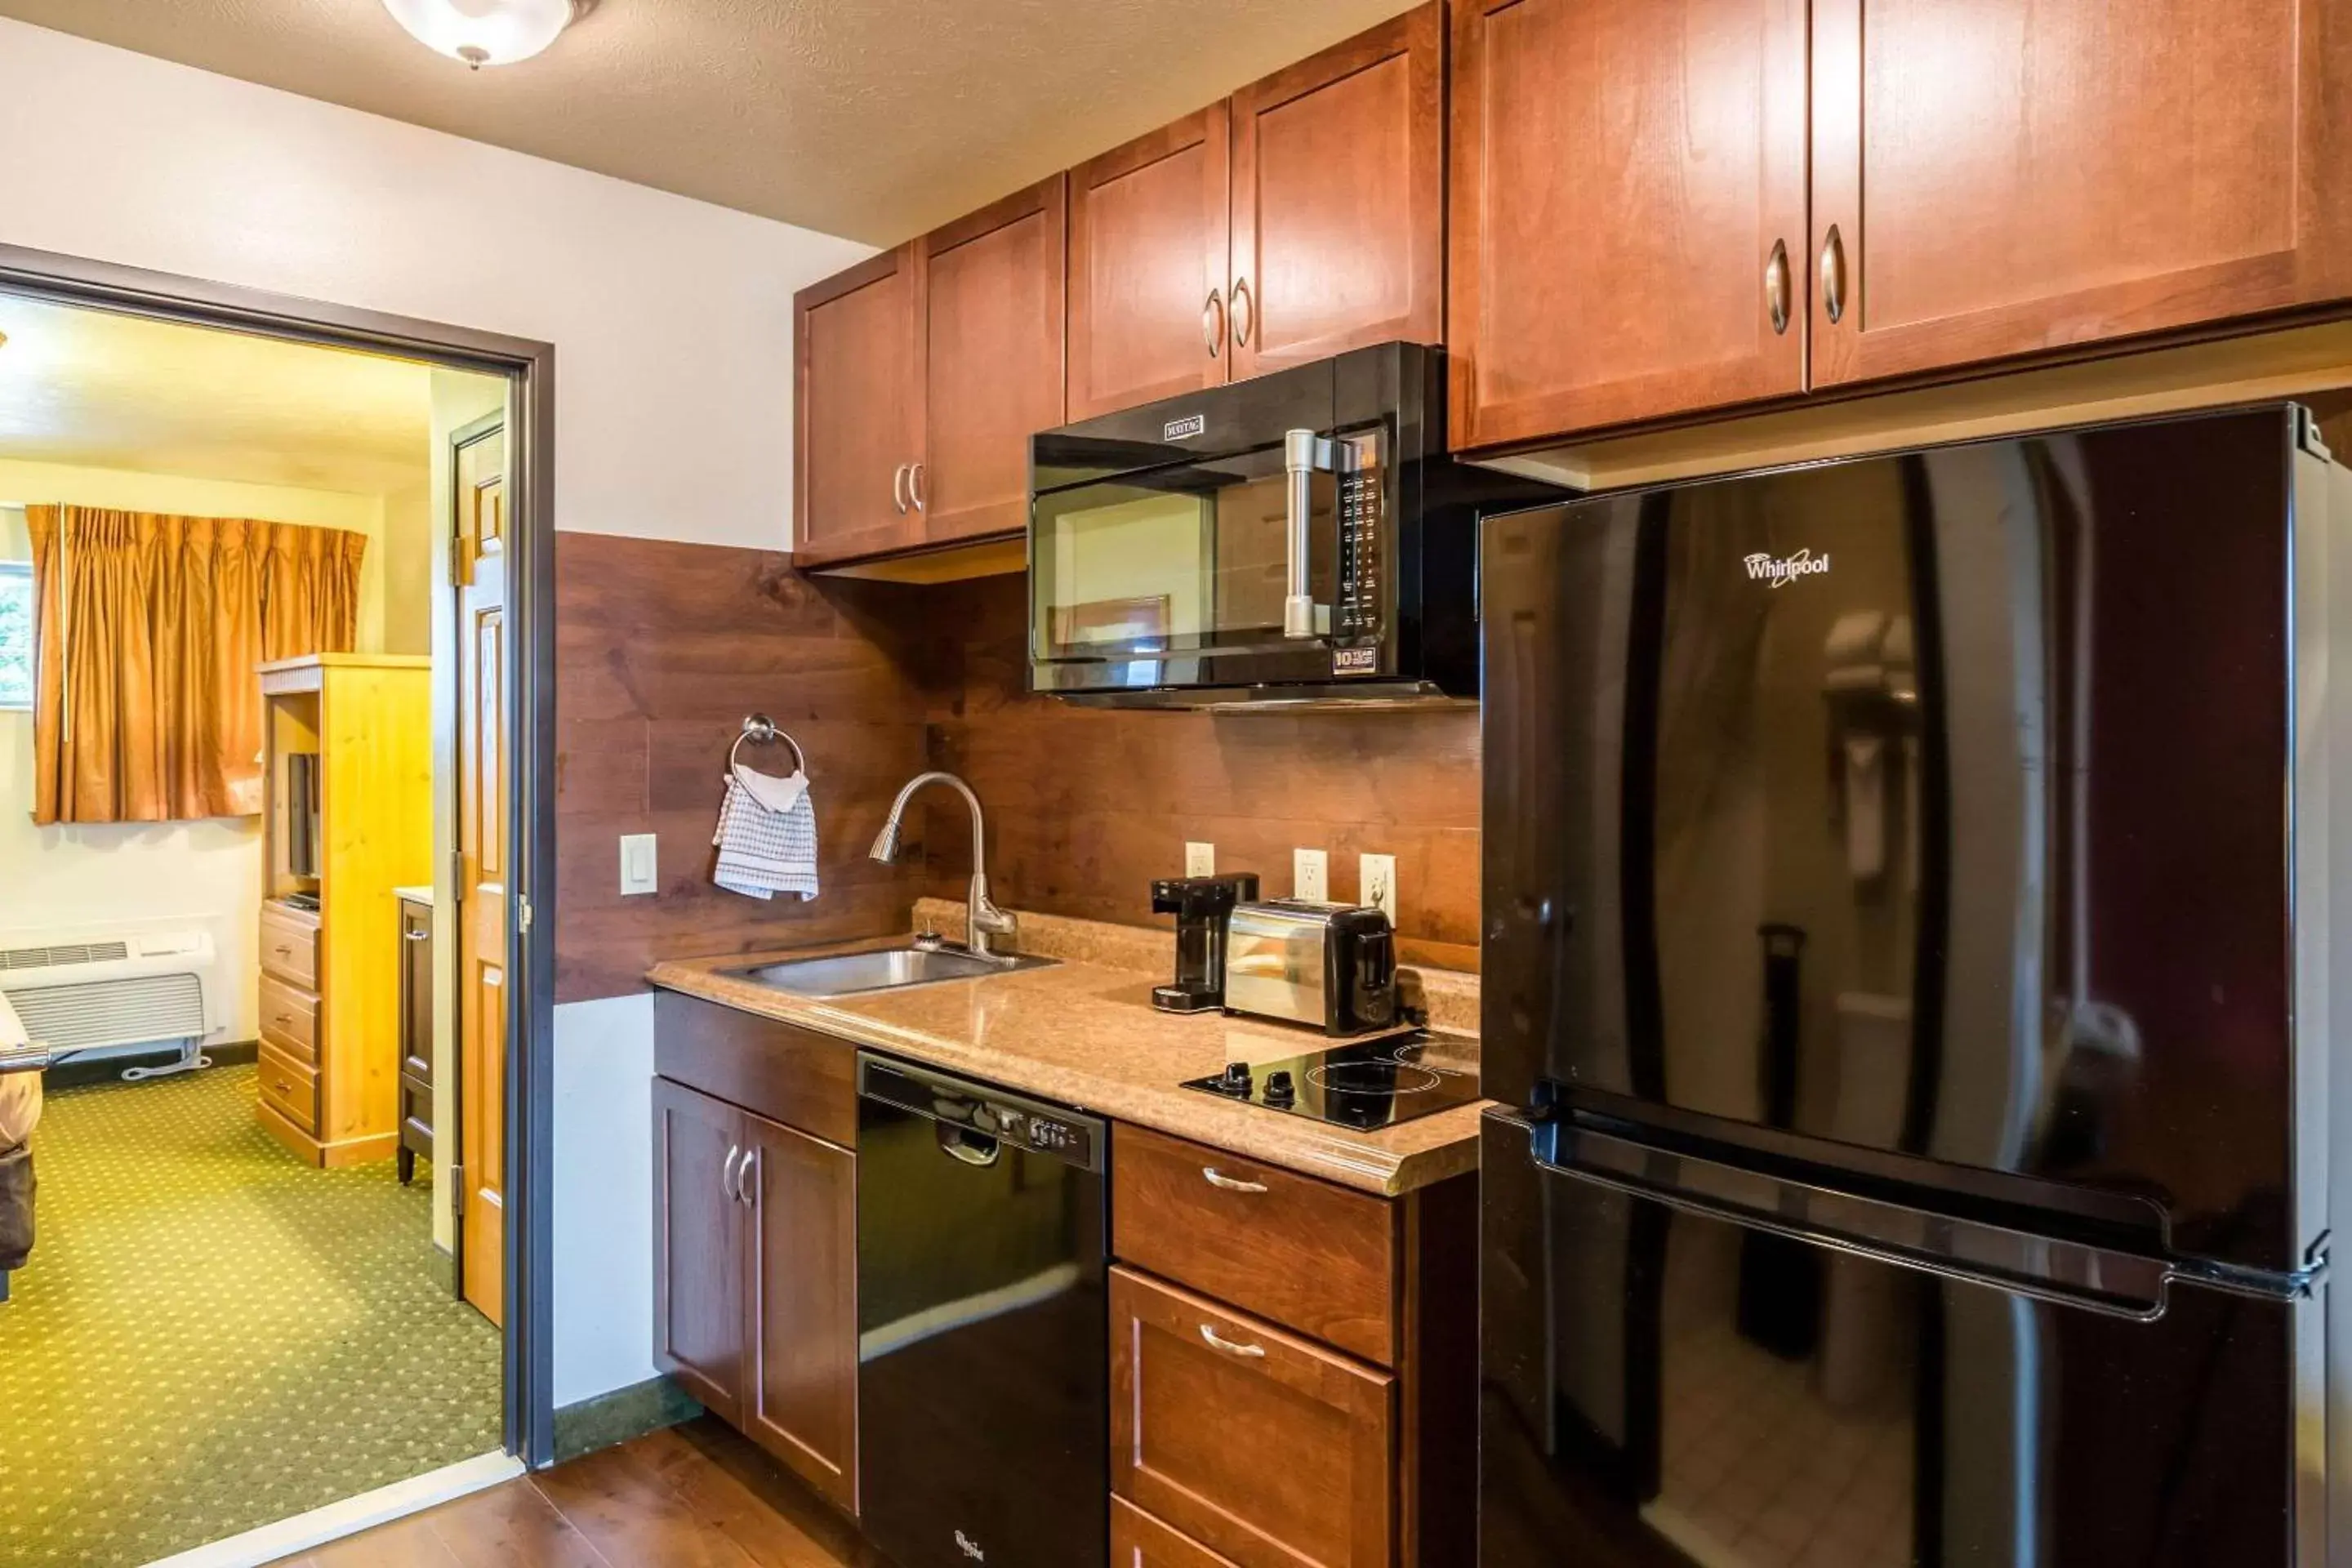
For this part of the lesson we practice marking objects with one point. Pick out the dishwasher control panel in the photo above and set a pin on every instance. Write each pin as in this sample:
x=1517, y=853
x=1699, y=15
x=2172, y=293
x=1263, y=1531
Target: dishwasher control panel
x=984, y=1111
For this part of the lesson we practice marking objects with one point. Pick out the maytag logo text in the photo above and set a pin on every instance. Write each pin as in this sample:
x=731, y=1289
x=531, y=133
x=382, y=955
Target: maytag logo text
x=1763, y=568
x=1177, y=429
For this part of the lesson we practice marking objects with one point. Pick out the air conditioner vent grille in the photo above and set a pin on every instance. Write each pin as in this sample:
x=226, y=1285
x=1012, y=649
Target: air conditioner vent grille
x=69, y=952
x=111, y=1012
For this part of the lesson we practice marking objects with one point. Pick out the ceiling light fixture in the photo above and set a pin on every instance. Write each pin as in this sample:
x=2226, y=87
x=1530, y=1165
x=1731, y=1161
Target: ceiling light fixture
x=486, y=32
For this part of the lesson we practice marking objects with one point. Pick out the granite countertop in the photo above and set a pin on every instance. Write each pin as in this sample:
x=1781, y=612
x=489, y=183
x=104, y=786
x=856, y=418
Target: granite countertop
x=1083, y=1032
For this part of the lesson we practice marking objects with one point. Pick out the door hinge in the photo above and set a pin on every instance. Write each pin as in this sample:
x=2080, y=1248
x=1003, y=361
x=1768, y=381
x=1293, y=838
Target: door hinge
x=458, y=1192
x=456, y=875
x=2308, y=436
x=523, y=914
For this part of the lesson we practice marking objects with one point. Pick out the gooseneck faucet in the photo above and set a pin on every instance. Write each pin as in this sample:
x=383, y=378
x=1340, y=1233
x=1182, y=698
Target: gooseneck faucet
x=982, y=918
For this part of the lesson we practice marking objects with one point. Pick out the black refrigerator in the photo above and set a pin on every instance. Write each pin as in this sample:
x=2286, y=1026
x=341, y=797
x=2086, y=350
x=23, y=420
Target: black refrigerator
x=1907, y=970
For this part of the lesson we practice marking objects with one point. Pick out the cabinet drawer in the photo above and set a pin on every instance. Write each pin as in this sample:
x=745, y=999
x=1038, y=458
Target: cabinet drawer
x=1258, y=1445
x=289, y=1020
x=1308, y=1255
x=805, y=1080
x=1139, y=1541
x=290, y=1088
x=289, y=946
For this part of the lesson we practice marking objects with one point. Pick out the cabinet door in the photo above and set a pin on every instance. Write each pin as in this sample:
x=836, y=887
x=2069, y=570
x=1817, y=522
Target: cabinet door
x=1261, y=1446
x=858, y=419
x=1628, y=205
x=2047, y=173
x=699, y=1224
x=1139, y=1541
x=1148, y=253
x=992, y=361
x=416, y=990
x=1339, y=205
x=799, y=1395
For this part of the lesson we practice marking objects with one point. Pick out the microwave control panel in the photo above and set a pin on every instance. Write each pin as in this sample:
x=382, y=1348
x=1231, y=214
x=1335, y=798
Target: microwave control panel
x=1362, y=570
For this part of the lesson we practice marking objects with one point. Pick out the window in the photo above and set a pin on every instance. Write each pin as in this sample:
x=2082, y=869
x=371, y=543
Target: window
x=15, y=635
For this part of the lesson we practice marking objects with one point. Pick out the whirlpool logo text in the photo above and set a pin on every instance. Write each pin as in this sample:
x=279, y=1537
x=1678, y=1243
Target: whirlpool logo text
x=1785, y=570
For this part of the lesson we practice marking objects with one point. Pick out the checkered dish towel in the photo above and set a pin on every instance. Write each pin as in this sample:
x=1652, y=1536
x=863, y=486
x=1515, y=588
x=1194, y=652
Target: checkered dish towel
x=767, y=836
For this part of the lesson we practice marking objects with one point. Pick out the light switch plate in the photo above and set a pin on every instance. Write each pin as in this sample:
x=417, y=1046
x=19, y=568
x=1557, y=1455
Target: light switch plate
x=639, y=871
x=1310, y=874
x=1200, y=859
x=1376, y=883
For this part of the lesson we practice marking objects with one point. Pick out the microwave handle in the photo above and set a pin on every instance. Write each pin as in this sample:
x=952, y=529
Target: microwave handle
x=1303, y=453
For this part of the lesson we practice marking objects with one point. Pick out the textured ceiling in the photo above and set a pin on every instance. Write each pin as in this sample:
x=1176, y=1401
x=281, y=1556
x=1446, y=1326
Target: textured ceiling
x=871, y=119
x=120, y=392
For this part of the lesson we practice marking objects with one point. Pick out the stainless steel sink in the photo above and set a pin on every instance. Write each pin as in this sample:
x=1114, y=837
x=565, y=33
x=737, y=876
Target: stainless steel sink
x=887, y=969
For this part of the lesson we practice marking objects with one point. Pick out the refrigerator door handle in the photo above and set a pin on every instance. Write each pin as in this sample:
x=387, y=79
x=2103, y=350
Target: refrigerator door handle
x=2065, y=1273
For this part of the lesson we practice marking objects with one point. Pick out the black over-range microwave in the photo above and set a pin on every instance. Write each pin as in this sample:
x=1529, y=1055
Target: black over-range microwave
x=1301, y=537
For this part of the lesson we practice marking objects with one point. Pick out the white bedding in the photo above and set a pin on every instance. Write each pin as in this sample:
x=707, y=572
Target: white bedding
x=20, y=1093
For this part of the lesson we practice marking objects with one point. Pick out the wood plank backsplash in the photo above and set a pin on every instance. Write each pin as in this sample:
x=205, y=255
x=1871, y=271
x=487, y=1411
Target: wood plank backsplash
x=1086, y=807
x=663, y=648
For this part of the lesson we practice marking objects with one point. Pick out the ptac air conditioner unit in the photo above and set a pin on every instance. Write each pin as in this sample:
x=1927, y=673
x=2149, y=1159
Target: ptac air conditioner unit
x=124, y=995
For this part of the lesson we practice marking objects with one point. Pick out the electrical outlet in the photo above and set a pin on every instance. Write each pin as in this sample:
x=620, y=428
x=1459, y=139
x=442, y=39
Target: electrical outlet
x=1310, y=874
x=639, y=874
x=1376, y=883
x=1200, y=859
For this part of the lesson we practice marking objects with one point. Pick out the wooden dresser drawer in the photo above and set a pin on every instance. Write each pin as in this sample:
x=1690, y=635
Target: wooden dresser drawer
x=1308, y=1255
x=290, y=1088
x=1139, y=1541
x=1270, y=1450
x=289, y=946
x=289, y=1020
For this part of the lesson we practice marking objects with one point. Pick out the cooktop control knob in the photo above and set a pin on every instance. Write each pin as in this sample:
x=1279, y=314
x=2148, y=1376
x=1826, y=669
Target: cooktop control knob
x=1279, y=1090
x=1236, y=1079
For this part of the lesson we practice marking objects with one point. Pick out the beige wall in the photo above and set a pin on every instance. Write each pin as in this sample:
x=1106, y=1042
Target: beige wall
x=72, y=882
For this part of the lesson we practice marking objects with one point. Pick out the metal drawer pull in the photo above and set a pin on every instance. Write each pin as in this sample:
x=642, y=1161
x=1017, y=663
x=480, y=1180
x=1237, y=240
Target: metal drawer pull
x=283, y=1020
x=899, y=489
x=727, y=1177
x=417, y=935
x=1776, y=286
x=743, y=1176
x=1834, y=276
x=1217, y=1178
x=915, y=485
x=1243, y=312
x=1230, y=1347
x=1212, y=323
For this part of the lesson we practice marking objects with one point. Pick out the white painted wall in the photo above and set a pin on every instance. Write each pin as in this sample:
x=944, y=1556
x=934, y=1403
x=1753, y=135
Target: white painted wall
x=672, y=321
x=74, y=883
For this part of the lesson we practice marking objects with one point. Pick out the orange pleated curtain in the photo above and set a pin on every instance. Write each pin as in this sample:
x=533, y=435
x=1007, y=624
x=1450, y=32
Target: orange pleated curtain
x=146, y=707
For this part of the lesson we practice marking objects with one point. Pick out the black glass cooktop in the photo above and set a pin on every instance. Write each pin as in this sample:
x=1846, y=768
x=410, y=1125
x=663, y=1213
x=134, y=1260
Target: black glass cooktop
x=1374, y=1084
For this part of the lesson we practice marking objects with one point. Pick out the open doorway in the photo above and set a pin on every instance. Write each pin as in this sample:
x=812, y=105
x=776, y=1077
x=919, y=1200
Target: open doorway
x=256, y=926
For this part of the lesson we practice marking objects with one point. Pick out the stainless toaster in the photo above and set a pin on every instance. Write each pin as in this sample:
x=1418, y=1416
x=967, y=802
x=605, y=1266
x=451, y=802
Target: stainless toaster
x=1331, y=965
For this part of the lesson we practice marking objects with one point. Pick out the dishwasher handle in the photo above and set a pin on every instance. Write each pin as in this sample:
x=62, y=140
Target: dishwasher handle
x=988, y=1118
x=963, y=1143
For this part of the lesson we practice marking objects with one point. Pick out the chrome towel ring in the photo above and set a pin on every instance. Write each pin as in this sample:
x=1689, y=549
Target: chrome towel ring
x=762, y=728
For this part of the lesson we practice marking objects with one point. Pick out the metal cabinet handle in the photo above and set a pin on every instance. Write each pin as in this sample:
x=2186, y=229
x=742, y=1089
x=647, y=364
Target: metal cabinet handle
x=915, y=484
x=743, y=1190
x=1217, y=1178
x=1776, y=286
x=1230, y=1347
x=727, y=1176
x=1303, y=453
x=1245, y=312
x=1834, y=274
x=899, y=489
x=282, y=951
x=283, y=1020
x=417, y=935
x=1212, y=323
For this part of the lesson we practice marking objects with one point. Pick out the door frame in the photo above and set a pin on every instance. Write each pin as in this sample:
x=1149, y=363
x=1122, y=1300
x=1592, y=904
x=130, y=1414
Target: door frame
x=529, y=367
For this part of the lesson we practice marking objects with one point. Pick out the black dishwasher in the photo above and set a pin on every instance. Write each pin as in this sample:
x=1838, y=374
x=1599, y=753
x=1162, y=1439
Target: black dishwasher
x=983, y=1401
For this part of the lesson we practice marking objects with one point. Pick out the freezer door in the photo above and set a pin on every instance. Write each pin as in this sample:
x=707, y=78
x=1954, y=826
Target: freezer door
x=1933, y=810
x=1667, y=1386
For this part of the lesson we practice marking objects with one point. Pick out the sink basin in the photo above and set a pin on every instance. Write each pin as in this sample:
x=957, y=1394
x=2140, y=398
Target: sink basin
x=887, y=969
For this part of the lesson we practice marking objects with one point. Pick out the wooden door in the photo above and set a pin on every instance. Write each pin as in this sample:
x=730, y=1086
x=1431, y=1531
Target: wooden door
x=1265, y=1447
x=1338, y=203
x=858, y=417
x=1628, y=211
x=1139, y=1541
x=992, y=337
x=485, y=696
x=2043, y=174
x=700, y=1224
x=799, y=1388
x=1149, y=224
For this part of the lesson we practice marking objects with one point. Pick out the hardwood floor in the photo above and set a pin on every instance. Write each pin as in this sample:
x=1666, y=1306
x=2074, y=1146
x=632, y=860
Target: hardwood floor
x=697, y=1495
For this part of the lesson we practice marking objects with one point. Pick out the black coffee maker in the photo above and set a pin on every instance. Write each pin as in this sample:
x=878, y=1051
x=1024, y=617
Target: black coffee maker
x=1201, y=906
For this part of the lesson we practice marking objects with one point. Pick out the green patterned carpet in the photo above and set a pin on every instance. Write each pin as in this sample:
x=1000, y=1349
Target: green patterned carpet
x=211, y=1336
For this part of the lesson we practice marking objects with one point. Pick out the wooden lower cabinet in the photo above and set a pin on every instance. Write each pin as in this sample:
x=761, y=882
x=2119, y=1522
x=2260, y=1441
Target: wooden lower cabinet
x=1259, y=1443
x=755, y=1308
x=1139, y=1541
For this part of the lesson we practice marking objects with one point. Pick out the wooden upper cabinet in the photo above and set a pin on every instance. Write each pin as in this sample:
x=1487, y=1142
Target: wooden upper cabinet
x=991, y=352
x=1148, y=251
x=1338, y=203
x=858, y=421
x=2046, y=173
x=1625, y=173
